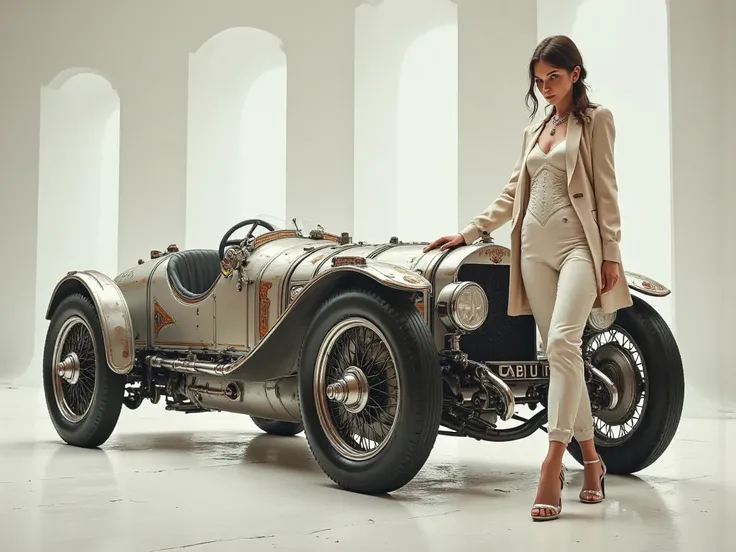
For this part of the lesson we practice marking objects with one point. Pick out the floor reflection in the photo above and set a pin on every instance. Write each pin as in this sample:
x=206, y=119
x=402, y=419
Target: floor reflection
x=167, y=481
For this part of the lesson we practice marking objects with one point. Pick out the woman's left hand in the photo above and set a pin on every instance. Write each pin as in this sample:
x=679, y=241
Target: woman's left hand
x=609, y=275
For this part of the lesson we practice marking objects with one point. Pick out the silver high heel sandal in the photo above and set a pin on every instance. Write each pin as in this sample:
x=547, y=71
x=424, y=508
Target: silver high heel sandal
x=589, y=496
x=543, y=507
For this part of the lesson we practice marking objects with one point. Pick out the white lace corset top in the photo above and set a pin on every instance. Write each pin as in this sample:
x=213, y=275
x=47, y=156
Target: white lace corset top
x=548, y=182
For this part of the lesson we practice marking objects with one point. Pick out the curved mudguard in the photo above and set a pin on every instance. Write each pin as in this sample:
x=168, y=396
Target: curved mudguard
x=646, y=285
x=388, y=274
x=117, y=326
x=277, y=354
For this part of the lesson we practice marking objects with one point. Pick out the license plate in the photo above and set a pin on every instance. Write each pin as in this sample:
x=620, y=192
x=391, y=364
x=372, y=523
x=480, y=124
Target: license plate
x=520, y=371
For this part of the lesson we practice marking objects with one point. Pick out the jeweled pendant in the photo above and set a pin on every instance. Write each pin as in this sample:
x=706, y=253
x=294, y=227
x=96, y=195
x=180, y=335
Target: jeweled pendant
x=552, y=132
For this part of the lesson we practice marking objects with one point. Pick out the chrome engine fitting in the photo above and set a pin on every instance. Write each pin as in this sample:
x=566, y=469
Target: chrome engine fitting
x=610, y=390
x=494, y=387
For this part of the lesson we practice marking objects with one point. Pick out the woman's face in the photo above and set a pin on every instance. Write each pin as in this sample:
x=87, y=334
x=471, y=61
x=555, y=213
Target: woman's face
x=554, y=83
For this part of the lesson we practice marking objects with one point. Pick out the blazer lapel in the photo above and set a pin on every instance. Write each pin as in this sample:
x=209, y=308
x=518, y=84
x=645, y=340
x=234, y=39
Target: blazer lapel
x=572, y=147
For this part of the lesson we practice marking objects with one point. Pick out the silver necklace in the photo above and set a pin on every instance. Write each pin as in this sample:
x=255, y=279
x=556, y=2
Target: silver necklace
x=556, y=122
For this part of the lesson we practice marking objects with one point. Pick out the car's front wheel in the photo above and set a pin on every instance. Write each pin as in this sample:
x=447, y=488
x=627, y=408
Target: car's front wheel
x=370, y=390
x=83, y=396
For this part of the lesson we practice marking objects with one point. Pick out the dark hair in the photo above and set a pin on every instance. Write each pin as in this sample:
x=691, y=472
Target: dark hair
x=560, y=51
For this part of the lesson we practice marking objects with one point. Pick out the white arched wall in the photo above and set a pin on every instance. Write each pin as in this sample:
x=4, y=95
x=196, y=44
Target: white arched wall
x=236, y=167
x=394, y=48
x=263, y=148
x=78, y=187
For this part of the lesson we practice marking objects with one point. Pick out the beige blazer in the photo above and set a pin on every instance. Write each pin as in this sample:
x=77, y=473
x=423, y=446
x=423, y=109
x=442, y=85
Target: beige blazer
x=593, y=190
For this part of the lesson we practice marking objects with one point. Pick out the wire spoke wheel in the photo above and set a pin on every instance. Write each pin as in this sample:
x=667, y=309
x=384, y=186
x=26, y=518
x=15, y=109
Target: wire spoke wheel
x=615, y=353
x=74, y=371
x=83, y=395
x=370, y=389
x=357, y=389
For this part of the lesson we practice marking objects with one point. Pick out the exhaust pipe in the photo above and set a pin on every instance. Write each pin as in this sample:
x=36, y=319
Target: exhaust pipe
x=189, y=366
x=208, y=387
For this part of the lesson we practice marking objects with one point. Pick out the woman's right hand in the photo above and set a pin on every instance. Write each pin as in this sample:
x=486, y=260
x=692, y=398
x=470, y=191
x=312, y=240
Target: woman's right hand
x=445, y=242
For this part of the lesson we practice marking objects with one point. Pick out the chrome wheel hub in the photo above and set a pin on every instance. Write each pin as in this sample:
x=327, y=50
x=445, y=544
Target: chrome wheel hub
x=73, y=369
x=615, y=362
x=351, y=390
x=69, y=369
x=357, y=389
x=617, y=357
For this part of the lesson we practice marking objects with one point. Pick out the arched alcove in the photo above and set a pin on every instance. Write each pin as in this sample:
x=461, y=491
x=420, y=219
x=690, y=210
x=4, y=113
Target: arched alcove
x=405, y=118
x=263, y=146
x=78, y=185
x=427, y=136
x=236, y=133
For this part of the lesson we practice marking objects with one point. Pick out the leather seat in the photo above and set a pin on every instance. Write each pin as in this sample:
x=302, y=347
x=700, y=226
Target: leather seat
x=194, y=271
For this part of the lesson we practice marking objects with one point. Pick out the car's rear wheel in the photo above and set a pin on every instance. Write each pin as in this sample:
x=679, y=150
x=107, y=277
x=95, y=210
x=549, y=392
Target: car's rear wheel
x=277, y=427
x=370, y=390
x=640, y=355
x=83, y=396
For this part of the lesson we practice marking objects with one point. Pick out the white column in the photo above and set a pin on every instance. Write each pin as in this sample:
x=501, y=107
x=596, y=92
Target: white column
x=728, y=207
x=703, y=201
x=497, y=40
x=19, y=151
x=319, y=143
x=153, y=160
x=377, y=65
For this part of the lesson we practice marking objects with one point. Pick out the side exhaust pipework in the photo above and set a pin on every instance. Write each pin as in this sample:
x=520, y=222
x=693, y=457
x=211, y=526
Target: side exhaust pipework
x=204, y=385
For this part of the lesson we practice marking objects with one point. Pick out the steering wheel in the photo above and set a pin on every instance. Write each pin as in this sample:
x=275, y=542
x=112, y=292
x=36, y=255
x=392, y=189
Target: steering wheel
x=225, y=242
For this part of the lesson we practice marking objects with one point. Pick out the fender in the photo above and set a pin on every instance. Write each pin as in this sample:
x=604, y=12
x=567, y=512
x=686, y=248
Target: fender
x=387, y=274
x=115, y=320
x=646, y=285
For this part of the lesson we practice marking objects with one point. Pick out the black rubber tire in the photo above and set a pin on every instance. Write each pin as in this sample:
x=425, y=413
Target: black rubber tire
x=277, y=427
x=417, y=364
x=102, y=417
x=663, y=409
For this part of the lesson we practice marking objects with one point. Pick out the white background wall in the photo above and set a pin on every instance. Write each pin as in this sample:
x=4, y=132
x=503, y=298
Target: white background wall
x=703, y=197
x=393, y=117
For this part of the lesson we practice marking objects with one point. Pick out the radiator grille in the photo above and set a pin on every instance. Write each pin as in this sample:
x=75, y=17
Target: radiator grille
x=502, y=337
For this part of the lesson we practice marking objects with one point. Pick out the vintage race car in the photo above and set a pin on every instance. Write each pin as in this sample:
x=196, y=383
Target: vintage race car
x=370, y=349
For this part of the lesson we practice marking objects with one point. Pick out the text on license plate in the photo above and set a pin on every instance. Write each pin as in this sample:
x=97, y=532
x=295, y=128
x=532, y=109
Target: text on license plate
x=520, y=370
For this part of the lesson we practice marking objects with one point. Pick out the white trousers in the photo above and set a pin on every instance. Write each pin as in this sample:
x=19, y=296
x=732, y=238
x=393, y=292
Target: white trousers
x=558, y=273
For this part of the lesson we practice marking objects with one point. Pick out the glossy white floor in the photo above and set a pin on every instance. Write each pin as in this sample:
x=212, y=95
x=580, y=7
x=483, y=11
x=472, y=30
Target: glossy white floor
x=213, y=482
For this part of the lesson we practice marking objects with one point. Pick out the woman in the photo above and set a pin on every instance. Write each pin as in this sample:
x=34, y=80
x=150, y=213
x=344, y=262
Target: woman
x=562, y=201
